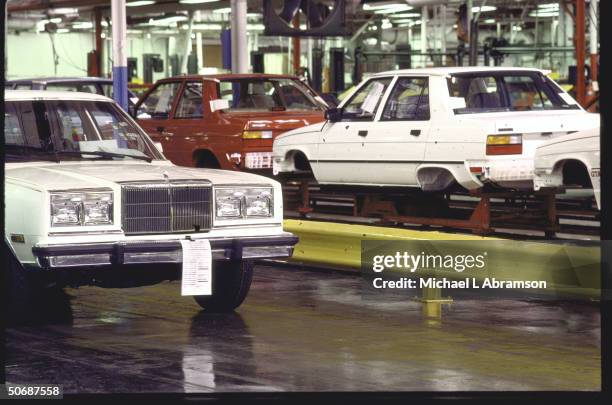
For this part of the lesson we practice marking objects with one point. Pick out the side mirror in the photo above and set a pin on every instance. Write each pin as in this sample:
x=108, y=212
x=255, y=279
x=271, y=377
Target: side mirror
x=159, y=147
x=219, y=104
x=333, y=114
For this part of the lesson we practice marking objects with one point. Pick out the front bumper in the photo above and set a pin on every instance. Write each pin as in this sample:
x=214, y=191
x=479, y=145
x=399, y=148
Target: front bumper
x=158, y=252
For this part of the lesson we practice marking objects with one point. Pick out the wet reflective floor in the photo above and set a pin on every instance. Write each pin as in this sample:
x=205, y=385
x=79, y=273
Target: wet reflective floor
x=302, y=330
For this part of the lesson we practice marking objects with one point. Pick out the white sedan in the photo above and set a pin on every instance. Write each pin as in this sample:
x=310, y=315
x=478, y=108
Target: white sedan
x=432, y=128
x=570, y=161
x=90, y=200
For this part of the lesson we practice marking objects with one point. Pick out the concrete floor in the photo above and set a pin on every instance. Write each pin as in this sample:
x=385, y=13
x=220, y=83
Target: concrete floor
x=304, y=331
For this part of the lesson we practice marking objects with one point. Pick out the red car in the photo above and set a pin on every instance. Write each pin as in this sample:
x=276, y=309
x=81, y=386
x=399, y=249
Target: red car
x=226, y=121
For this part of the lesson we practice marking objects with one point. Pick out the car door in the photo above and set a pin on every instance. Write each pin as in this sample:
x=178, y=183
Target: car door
x=188, y=123
x=153, y=113
x=395, y=142
x=341, y=155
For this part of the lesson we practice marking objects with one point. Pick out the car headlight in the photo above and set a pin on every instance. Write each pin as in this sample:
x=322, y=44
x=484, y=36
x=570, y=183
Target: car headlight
x=243, y=202
x=81, y=208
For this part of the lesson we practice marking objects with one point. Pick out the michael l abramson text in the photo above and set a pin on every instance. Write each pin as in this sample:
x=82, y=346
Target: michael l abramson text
x=470, y=282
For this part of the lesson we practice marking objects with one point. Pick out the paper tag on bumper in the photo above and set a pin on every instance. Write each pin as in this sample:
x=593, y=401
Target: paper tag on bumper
x=197, y=267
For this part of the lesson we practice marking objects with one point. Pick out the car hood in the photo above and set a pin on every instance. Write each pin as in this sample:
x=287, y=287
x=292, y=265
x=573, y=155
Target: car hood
x=318, y=127
x=537, y=121
x=68, y=175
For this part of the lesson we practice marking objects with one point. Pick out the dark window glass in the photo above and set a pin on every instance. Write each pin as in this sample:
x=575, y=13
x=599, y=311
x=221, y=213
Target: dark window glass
x=506, y=91
x=257, y=94
x=83, y=88
x=42, y=128
x=525, y=94
x=158, y=103
x=190, y=103
x=364, y=103
x=409, y=100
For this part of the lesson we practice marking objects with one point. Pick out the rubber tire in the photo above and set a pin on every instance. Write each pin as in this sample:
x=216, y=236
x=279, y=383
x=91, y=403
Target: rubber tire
x=231, y=284
x=20, y=291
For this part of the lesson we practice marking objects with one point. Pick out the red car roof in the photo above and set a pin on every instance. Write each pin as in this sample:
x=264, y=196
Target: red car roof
x=227, y=76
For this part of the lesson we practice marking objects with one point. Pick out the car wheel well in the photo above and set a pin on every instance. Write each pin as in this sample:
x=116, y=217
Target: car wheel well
x=204, y=158
x=575, y=173
x=435, y=178
x=300, y=161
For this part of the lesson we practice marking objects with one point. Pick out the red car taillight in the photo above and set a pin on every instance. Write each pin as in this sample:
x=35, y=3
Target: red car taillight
x=511, y=144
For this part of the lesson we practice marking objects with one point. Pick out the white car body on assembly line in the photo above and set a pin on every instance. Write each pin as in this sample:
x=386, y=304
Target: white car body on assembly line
x=430, y=128
x=88, y=194
x=569, y=161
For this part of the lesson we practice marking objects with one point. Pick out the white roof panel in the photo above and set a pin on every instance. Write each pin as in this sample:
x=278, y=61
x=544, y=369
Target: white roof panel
x=14, y=95
x=444, y=71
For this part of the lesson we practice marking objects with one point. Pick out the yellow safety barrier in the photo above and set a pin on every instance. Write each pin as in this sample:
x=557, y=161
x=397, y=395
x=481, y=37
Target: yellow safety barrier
x=339, y=245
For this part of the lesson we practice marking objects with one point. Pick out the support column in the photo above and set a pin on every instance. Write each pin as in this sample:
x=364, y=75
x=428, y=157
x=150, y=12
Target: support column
x=593, y=41
x=468, y=5
x=118, y=17
x=98, y=39
x=579, y=44
x=239, y=36
x=424, y=16
x=443, y=33
x=199, y=52
x=295, y=46
x=187, y=45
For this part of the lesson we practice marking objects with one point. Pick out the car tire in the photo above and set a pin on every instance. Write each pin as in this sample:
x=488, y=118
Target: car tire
x=231, y=284
x=20, y=291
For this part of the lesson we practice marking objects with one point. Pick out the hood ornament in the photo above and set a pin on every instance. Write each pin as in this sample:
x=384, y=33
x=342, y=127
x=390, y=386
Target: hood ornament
x=166, y=175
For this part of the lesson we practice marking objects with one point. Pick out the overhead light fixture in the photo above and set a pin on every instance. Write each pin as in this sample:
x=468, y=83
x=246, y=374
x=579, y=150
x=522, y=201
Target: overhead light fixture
x=103, y=23
x=255, y=27
x=62, y=31
x=196, y=1
x=483, y=9
x=55, y=20
x=207, y=27
x=167, y=21
x=405, y=15
x=385, y=5
x=490, y=21
x=391, y=10
x=544, y=13
x=553, y=6
x=82, y=25
x=223, y=10
x=63, y=10
x=140, y=3
x=403, y=21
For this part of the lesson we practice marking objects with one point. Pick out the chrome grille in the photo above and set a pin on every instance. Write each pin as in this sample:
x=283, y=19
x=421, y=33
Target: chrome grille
x=149, y=208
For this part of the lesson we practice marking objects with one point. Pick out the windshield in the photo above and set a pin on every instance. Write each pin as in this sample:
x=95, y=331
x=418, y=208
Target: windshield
x=507, y=91
x=256, y=94
x=69, y=130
